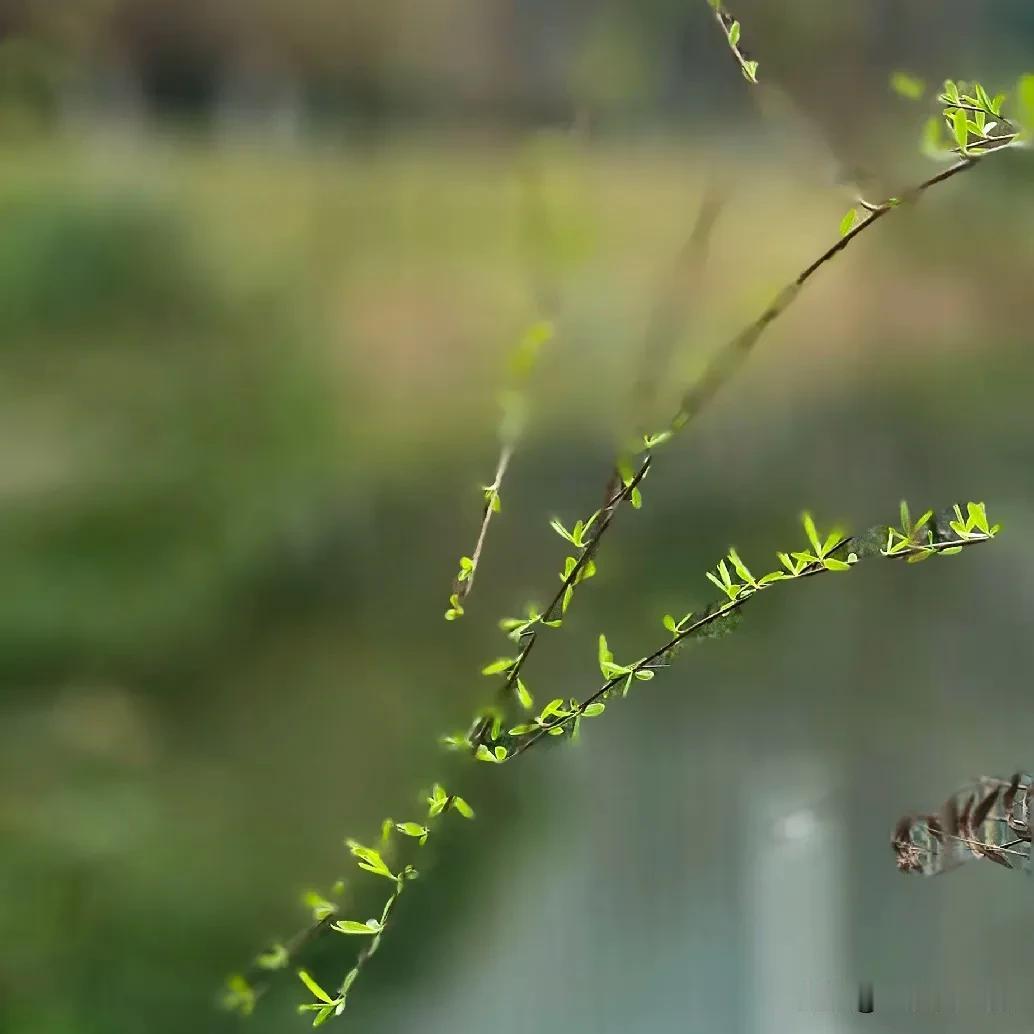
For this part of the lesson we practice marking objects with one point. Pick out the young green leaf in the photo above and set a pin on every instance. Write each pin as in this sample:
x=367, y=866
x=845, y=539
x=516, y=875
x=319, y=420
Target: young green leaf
x=349, y=926
x=437, y=801
x=559, y=528
x=978, y=518
x=463, y=807
x=305, y=977
x=1025, y=102
x=276, y=958
x=960, y=126
x=320, y=907
x=492, y=500
x=413, y=829
x=812, y=532
x=652, y=441
x=455, y=609
x=524, y=698
x=525, y=355
x=908, y=86
x=369, y=859
x=494, y=757
x=239, y=996
x=554, y=707
x=498, y=666
x=847, y=223
x=741, y=568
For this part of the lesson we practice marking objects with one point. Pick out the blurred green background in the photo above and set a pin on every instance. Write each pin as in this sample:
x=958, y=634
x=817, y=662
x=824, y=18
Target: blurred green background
x=260, y=269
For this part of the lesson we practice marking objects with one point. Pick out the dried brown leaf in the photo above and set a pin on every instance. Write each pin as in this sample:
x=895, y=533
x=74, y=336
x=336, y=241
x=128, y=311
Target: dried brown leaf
x=1010, y=794
x=980, y=812
x=988, y=819
x=992, y=854
x=965, y=822
x=903, y=830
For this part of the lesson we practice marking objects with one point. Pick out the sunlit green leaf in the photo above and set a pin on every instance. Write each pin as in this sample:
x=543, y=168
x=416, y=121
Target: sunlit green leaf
x=411, y=829
x=320, y=907
x=463, y=807
x=906, y=85
x=276, y=958
x=812, y=533
x=306, y=978
x=350, y=926
x=960, y=124
x=523, y=696
x=835, y=565
x=498, y=666
x=978, y=517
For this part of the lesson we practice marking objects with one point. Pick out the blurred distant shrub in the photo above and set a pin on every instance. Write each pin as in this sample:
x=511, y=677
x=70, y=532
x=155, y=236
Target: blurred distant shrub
x=82, y=263
x=31, y=75
x=179, y=401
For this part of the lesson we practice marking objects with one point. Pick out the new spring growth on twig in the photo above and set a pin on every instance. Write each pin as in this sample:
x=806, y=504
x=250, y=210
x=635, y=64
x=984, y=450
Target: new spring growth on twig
x=733, y=30
x=970, y=126
x=498, y=742
x=511, y=426
x=243, y=989
x=486, y=739
x=947, y=534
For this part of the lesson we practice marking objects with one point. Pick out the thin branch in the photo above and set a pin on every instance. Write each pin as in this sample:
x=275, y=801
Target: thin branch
x=715, y=613
x=731, y=28
x=461, y=589
x=477, y=735
x=728, y=360
x=719, y=370
x=672, y=306
x=1003, y=848
x=259, y=977
x=538, y=230
x=722, y=367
